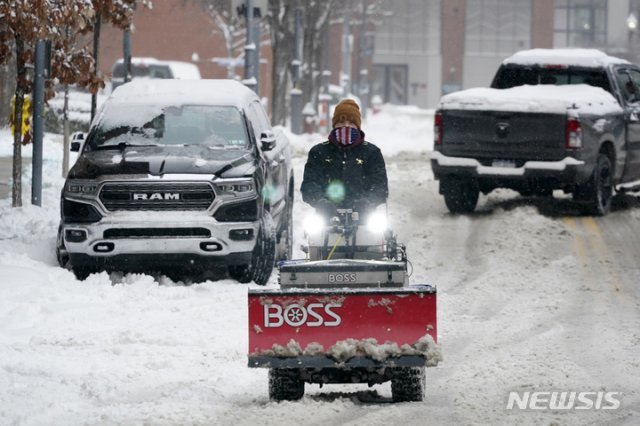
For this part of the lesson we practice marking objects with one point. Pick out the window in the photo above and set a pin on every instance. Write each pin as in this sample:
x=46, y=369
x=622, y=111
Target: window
x=157, y=124
x=580, y=23
x=497, y=27
x=390, y=82
x=412, y=27
x=512, y=76
x=629, y=82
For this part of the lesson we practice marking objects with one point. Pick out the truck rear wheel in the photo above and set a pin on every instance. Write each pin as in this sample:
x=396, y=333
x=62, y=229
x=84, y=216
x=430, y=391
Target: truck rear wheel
x=285, y=384
x=407, y=384
x=597, y=193
x=262, y=258
x=460, y=195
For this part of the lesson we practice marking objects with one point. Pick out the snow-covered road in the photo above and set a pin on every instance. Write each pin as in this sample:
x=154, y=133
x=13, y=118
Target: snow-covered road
x=532, y=297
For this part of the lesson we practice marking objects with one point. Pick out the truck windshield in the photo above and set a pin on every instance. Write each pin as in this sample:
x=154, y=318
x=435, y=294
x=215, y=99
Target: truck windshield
x=512, y=76
x=136, y=124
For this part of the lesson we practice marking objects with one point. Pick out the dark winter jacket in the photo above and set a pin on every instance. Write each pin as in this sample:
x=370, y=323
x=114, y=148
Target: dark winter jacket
x=359, y=169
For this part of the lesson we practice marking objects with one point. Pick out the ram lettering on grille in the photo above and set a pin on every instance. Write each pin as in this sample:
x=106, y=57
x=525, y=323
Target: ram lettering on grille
x=156, y=196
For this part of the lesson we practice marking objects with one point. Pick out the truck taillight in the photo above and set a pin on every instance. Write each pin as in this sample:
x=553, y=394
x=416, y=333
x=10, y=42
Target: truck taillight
x=437, y=129
x=573, y=133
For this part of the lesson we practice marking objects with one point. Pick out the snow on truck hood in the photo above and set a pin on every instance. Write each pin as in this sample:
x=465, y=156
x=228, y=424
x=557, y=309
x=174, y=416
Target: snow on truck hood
x=157, y=161
x=580, y=98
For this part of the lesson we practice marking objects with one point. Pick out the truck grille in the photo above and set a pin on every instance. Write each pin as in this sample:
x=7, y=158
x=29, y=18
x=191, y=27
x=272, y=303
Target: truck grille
x=156, y=196
x=115, y=233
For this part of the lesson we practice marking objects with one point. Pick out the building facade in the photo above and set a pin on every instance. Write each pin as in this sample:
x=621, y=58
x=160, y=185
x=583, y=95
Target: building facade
x=428, y=48
x=411, y=53
x=182, y=31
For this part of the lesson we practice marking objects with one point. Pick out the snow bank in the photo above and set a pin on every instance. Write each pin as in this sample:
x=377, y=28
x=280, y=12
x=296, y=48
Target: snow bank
x=542, y=98
x=395, y=129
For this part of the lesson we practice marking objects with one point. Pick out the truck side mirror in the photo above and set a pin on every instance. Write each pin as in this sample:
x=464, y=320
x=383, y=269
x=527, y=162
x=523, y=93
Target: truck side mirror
x=267, y=140
x=77, y=139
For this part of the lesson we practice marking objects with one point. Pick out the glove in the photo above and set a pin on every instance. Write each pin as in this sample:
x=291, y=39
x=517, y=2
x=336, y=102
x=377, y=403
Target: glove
x=362, y=206
x=326, y=208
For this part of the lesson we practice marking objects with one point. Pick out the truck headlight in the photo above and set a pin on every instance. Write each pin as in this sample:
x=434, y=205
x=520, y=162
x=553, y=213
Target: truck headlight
x=81, y=188
x=235, y=188
x=79, y=212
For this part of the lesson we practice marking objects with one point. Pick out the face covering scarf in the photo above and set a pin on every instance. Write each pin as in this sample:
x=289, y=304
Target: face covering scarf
x=345, y=136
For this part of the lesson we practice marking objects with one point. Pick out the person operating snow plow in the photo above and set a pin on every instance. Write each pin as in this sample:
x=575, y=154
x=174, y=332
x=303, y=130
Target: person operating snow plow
x=347, y=313
x=346, y=171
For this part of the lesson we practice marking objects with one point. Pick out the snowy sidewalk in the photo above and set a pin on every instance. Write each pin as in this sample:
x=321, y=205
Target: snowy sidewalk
x=6, y=170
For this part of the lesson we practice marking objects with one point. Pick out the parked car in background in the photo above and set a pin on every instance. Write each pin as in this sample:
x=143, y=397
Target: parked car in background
x=180, y=177
x=153, y=68
x=564, y=119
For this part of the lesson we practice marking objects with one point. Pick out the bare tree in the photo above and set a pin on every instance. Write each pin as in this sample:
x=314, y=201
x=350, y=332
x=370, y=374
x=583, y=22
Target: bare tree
x=280, y=25
x=227, y=24
x=281, y=22
x=317, y=18
x=23, y=22
x=7, y=88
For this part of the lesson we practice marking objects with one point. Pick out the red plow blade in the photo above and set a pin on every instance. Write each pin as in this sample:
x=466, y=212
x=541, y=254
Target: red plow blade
x=337, y=325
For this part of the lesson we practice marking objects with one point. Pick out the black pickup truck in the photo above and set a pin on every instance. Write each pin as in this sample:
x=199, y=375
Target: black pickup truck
x=566, y=119
x=182, y=177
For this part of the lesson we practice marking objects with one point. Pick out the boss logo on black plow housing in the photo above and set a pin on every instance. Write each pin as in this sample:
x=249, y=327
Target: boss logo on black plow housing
x=295, y=315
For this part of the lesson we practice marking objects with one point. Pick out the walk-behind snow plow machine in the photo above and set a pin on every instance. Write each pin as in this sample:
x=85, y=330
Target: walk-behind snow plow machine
x=346, y=315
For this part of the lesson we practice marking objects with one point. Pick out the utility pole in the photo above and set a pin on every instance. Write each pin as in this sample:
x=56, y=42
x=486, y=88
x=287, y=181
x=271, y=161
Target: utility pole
x=347, y=40
x=250, y=79
x=126, y=54
x=363, y=71
x=325, y=97
x=256, y=42
x=38, y=122
x=96, y=52
x=65, y=124
x=296, y=93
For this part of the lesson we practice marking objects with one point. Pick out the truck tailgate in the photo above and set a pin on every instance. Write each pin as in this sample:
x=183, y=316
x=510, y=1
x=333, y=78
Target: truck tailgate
x=503, y=135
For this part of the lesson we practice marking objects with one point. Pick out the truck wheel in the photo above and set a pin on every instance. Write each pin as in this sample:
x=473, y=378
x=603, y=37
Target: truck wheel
x=597, y=193
x=61, y=251
x=262, y=258
x=285, y=384
x=460, y=195
x=407, y=384
x=285, y=242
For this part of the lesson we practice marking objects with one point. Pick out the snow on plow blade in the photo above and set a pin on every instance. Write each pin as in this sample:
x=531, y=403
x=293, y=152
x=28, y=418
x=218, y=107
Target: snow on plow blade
x=291, y=328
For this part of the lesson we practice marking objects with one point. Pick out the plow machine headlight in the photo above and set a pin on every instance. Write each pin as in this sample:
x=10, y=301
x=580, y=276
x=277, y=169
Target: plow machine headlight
x=313, y=224
x=377, y=223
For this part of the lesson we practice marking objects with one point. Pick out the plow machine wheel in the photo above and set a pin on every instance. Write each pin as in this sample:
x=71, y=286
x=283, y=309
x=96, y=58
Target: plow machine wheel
x=407, y=384
x=285, y=384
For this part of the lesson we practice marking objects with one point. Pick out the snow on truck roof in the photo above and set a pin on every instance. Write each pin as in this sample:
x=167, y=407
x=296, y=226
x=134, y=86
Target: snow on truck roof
x=564, y=57
x=580, y=98
x=183, y=92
